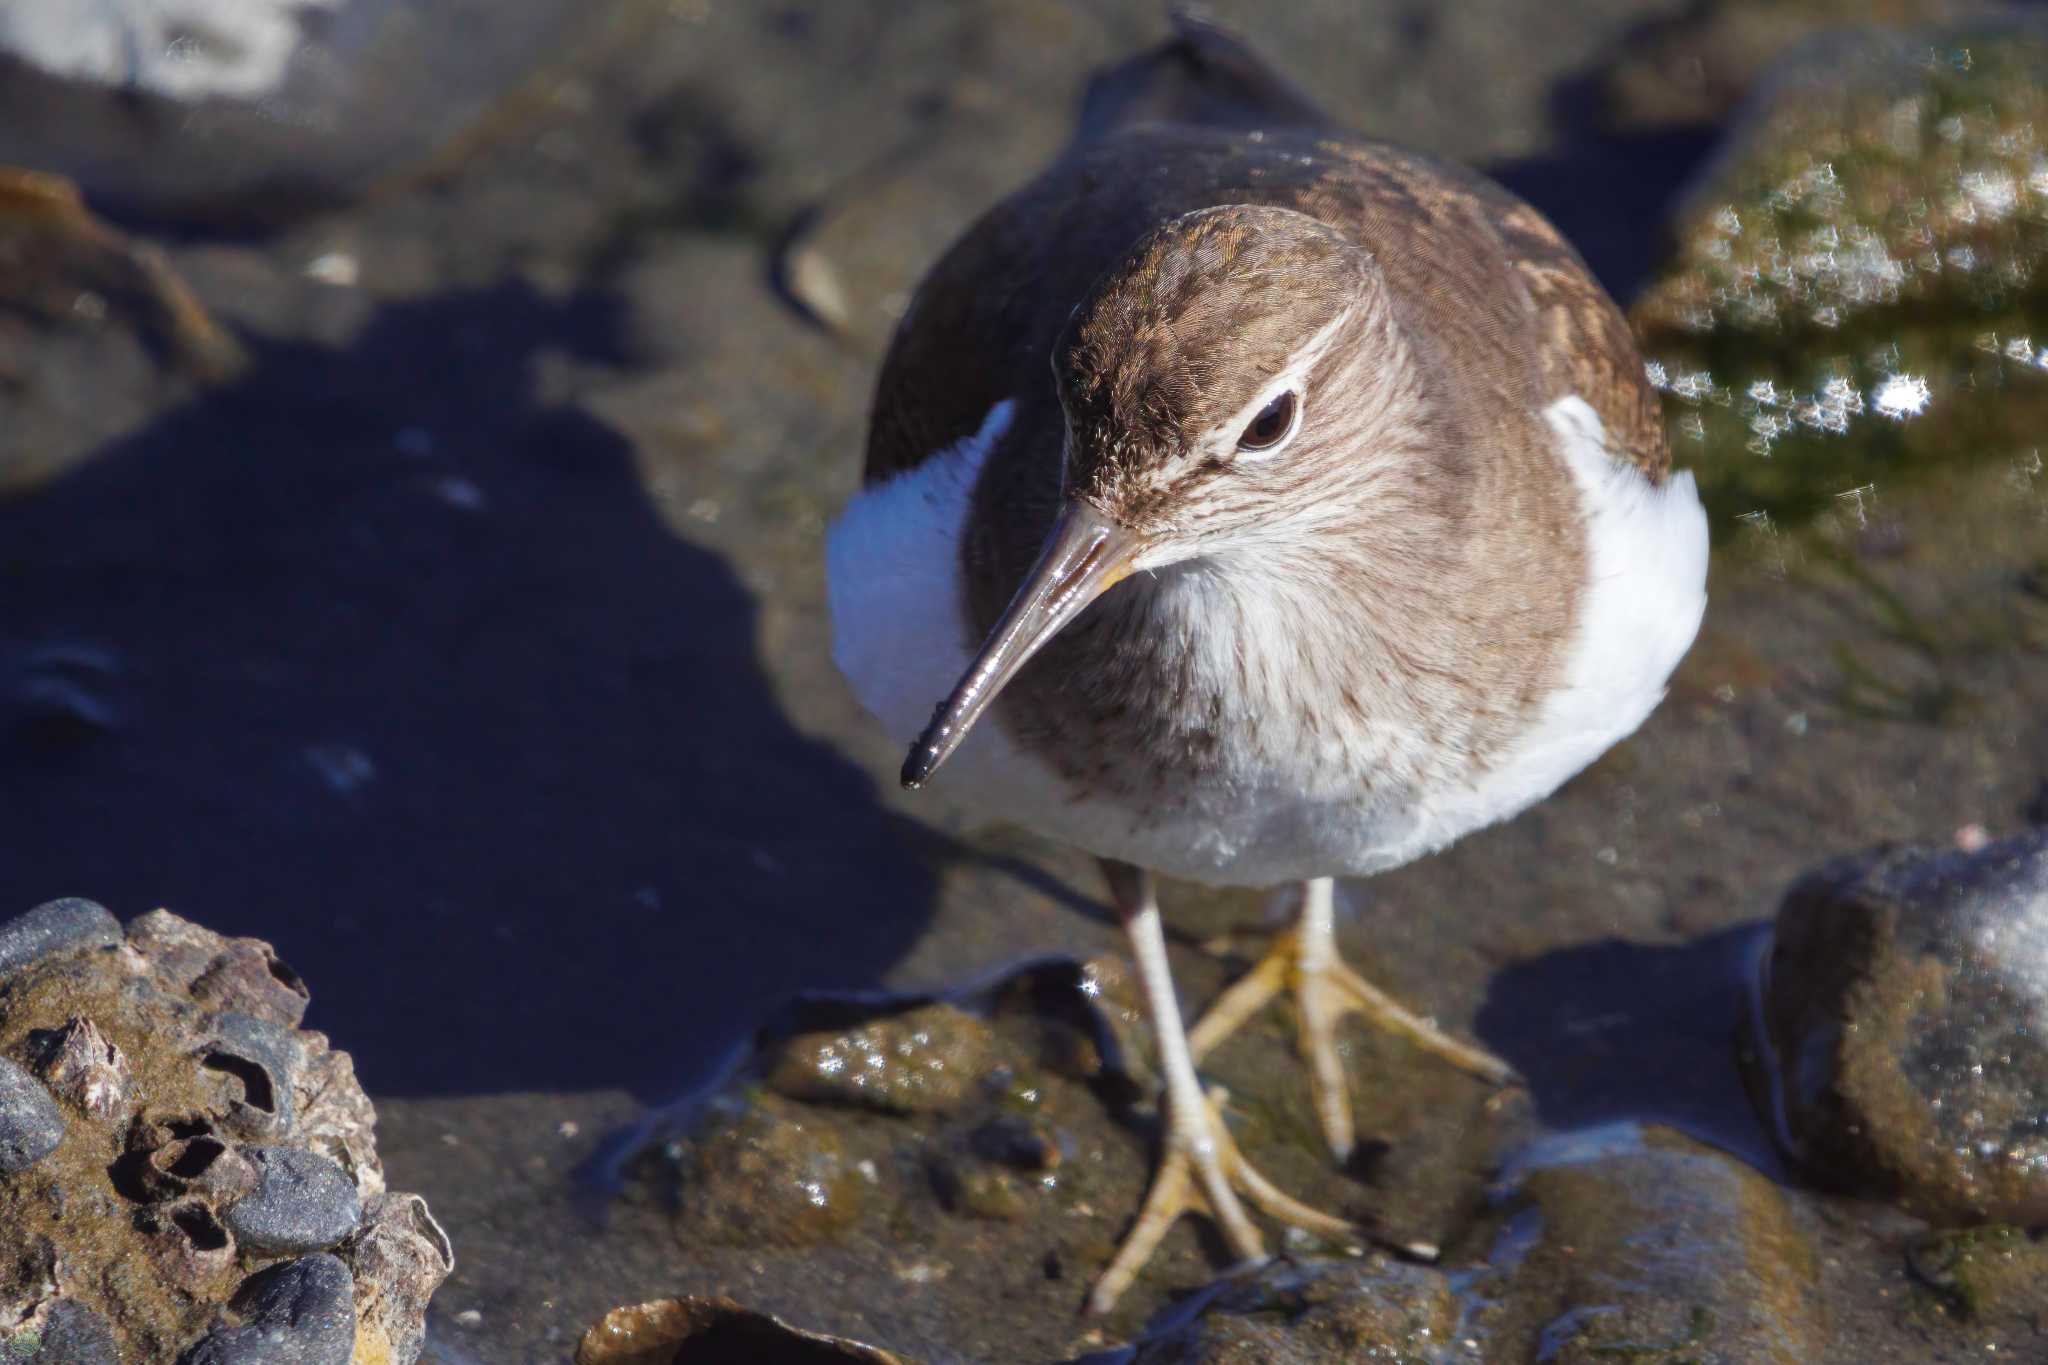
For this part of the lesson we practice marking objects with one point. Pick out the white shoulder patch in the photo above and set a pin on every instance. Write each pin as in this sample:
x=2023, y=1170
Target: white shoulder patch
x=1646, y=590
x=892, y=568
x=1646, y=581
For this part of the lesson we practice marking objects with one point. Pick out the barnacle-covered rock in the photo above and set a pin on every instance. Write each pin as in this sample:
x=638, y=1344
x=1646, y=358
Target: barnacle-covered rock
x=183, y=1145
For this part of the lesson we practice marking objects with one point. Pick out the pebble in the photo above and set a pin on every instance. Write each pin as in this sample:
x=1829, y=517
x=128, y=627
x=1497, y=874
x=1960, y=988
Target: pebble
x=299, y=1313
x=1905, y=1019
x=30, y=1126
x=55, y=927
x=303, y=1202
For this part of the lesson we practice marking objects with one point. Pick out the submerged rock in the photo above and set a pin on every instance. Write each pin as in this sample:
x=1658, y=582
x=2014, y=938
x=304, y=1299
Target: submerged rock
x=1905, y=1014
x=1858, y=284
x=194, y=1143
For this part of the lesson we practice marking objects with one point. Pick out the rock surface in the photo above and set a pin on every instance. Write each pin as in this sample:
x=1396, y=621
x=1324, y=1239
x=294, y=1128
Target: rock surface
x=144, y=1203
x=1906, y=1012
x=1858, y=285
x=674, y=1331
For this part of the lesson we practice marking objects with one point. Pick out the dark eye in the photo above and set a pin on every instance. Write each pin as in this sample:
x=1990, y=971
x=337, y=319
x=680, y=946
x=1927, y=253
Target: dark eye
x=1272, y=425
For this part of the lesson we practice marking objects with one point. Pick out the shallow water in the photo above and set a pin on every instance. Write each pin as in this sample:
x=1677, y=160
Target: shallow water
x=469, y=645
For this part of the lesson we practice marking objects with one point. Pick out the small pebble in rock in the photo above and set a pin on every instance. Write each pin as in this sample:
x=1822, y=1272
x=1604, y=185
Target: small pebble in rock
x=30, y=1126
x=1905, y=1020
x=303, y=1202
x=298, y=1313
x=56, y=927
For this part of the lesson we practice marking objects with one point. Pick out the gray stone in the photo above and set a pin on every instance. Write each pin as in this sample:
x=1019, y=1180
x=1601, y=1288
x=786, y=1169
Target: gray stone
x=299, y=1313
x=70, y=1334
x=30, y=1126
x=55, y=927
x=303, y=1202
x=1905, y=1021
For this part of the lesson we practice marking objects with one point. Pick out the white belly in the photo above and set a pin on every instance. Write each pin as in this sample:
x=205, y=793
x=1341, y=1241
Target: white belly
x=900, y=637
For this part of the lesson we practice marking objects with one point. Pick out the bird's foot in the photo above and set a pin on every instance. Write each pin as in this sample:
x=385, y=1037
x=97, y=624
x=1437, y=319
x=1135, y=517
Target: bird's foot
x=1325, y=990
x=1202, y=1171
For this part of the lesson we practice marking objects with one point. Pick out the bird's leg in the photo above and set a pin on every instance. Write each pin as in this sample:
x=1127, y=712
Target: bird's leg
x=1325, y=990
x=1200, y=1167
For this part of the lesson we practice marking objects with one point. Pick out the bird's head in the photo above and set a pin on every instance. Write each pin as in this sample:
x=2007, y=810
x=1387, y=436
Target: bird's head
x=1218, y=384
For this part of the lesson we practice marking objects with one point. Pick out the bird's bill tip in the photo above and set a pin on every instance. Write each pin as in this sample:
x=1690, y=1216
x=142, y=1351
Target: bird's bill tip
x=1085, y=555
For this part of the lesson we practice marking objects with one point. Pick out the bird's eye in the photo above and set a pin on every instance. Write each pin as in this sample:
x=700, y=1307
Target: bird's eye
x=1274, y=424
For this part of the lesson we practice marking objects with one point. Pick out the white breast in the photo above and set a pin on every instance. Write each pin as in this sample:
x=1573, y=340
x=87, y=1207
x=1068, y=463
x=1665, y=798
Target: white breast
x=900, y=637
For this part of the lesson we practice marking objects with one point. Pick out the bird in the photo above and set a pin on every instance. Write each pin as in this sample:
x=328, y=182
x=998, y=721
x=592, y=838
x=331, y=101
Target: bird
x=1255, y=503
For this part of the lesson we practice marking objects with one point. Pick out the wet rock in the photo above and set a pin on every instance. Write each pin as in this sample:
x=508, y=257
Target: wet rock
x=919, y=1062
x=1318, y=1311
x=399, y=1256
x=770, y=1175
x=151, y=1212
x=1905, y=1009
x=714, y=1329
x=1648, y=1245
x=82, y=1067
x=1984, y=1273
x=1856, y=291
x=30, y=1126
x=302, y=1202
x=61, y=926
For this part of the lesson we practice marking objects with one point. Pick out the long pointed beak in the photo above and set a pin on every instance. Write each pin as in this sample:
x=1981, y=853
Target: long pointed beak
x=1086, y=555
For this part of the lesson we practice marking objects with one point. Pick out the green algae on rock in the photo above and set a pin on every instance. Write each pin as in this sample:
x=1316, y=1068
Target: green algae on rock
x=1856, y=295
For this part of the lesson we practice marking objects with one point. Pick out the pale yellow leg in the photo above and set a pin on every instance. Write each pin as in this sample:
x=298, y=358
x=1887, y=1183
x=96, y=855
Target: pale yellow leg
x=1305, y=958
x=1200, y=1167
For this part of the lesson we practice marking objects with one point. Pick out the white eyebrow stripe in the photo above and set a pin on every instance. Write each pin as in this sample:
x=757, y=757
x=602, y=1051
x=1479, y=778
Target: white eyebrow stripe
x=1291, y=375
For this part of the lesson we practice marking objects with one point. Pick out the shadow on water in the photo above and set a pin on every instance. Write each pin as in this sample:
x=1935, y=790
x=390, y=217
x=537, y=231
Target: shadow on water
x=378, y=658
x=1612, y=1030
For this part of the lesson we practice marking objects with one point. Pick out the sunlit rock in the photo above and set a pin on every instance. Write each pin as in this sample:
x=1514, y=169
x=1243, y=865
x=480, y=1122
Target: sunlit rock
x=1905, y=1018
x=1857, y=295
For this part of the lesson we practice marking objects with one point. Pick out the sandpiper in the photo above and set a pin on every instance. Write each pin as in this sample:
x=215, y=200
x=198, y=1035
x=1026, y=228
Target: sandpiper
x=1283, y=505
